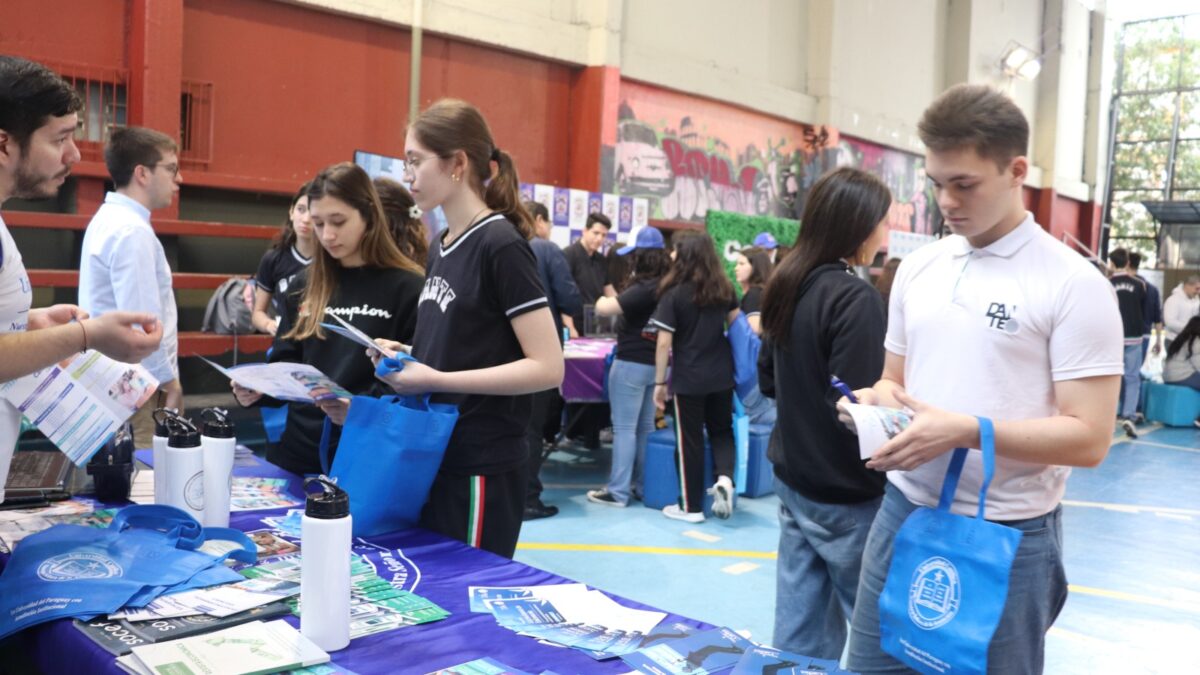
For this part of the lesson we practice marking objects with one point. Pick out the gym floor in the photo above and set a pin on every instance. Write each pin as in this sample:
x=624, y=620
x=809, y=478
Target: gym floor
x=1132, y=539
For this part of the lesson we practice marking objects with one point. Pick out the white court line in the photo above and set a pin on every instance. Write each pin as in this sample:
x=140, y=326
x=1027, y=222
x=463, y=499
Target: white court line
x=1153, y=444
x=1174, y=516
x=1132, y=508
x=739, y=568
x=701, y=536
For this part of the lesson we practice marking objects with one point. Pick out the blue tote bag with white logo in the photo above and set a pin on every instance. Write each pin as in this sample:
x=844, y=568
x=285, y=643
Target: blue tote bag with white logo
x=948, y=580
x=389, y=453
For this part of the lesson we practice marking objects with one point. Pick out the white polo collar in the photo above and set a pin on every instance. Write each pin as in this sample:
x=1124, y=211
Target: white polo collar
x=129, y=203
x=1006, y=246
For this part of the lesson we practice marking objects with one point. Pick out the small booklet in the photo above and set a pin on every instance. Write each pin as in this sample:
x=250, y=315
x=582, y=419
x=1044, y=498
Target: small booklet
x=80, y=402
x=712, y=651
x=771, y=661
x=254, y=648
x=120, y=636
x=876, y=425
x=298, y=382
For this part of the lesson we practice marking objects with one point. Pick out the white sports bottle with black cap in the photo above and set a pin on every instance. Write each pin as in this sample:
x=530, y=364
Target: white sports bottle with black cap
x=159, y=456
x=325, y=565
x=185, y=468
x=219, y=446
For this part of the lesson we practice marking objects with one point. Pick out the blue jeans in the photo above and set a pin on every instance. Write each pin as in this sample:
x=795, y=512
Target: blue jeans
x=1037, y=590
x=759, y=408
x=1131, y=383
x=631, y=397
x=820, y=553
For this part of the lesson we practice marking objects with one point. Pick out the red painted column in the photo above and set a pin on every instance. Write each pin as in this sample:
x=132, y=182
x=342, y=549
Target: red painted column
x=155, y=59
x=592, y=131
x=1044, y=211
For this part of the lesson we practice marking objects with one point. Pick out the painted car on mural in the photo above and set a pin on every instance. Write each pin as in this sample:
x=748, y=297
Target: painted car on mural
x=641, y=164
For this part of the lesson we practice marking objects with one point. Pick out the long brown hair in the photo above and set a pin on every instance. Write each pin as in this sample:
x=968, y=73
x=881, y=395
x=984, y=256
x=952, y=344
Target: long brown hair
x=696, y=262
x=842, y=210
x=408, y=232
x=451, y=125
x=760, y=266
x=287, y=234
x=349, y=183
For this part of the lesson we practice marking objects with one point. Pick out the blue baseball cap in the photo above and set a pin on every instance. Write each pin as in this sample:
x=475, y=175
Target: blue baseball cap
x=647, y=237
x=765, y=240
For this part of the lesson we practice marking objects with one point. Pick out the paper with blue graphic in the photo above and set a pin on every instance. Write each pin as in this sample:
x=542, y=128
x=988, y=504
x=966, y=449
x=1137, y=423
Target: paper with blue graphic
x=346, y=330
x=297, y=382
x=771, y=661
x=876, y=425
x=479, y=595
x=483, y=666
x=711, y=651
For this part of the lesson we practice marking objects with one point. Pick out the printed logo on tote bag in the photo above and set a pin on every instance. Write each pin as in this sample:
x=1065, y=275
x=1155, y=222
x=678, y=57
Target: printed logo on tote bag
x=935, y=594
x=72, y=566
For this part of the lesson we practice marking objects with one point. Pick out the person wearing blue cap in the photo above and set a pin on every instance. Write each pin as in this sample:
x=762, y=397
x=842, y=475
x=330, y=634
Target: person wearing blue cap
x=767, y=242
x=631, y=378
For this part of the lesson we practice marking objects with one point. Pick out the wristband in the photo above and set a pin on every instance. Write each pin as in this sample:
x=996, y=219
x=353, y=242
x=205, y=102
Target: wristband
x=85, y=347
x=660, y=384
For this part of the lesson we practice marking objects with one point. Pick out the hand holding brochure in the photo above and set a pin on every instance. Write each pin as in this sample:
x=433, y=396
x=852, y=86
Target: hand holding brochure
x=353, y=334
x=80, y=402
x=876, y=425
x=285, y=381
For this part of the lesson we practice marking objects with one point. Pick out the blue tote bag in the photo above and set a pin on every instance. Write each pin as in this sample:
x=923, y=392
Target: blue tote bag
x=948, y=580
x=389, y=453
x=745, y=346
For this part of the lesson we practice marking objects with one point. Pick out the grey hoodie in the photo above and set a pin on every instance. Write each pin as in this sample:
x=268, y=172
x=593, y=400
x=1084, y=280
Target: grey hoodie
x=1178, y=310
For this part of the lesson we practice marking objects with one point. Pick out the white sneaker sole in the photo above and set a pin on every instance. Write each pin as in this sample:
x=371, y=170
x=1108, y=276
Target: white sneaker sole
x=722, y=502
x=685, y=516
x=595, y=500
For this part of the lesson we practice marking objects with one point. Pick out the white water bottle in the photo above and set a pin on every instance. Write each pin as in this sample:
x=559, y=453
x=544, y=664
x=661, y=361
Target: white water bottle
x=185, y=468
x=219, y=445
x=325, y=566
x=161, y=431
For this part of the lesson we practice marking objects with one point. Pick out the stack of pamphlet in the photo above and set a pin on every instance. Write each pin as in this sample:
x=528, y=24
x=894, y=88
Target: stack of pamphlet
x=569, y=615
x=254, y=648
x=721, y=650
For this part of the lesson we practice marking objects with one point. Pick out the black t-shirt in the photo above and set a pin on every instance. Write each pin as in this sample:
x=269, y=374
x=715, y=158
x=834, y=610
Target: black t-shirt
x=379, y=302
x=1131, y=300
x=752, y=301
x=277, y=274
x=702, y=362
x=474, y=287
x=636, y=336
x=590, y=273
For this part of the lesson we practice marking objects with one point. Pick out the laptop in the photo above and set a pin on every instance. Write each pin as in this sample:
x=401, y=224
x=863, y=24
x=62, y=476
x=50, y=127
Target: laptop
x=36, y=478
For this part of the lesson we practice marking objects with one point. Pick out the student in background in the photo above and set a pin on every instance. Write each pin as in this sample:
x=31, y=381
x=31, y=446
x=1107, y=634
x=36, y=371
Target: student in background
x=123, y=266
x=485, y=337
x=695, y=301
x=766, y=241
x=360, y=275
x=1131, y=299
x=631, y=378
x=1181, y=306
x=404, y=219
x=563, y=298
x=290, y=254
x=752, y=270
x=1152, y=312
x=823, y=320
x=1182, y=366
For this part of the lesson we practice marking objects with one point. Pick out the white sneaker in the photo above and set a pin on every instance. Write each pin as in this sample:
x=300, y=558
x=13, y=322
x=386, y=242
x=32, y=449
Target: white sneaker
x=674, y=512
x=722, y=492
x=603, y=496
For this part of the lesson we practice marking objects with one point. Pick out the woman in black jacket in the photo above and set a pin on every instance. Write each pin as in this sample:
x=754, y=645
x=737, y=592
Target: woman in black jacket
x=823, y=320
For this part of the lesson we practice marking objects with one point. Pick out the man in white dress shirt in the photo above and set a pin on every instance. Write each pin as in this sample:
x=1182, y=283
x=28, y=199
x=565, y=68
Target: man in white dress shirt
x=124, y=267
x=38, y=116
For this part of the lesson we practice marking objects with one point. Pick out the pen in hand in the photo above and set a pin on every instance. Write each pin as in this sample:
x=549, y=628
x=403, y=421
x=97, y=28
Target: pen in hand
x=841, y=387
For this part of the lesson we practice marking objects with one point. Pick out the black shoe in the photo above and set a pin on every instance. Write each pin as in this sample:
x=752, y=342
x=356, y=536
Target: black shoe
x=539, y=510
x=1129, y=428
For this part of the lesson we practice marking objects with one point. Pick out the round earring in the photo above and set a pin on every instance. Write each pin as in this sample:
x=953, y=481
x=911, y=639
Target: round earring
x=455, y=177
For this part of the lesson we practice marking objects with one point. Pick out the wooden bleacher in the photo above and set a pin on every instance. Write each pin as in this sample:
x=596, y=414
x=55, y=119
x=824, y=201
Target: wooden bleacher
x=191, y=343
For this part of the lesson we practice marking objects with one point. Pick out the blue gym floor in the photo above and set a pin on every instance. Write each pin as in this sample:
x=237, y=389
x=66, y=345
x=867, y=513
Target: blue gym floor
x=1132, y=536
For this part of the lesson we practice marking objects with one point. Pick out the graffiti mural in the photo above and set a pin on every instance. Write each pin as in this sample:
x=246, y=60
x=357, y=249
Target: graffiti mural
x=688, y=155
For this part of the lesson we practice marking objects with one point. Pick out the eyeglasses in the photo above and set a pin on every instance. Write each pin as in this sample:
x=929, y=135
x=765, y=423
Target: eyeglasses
x=413, y=162
x=172, y=169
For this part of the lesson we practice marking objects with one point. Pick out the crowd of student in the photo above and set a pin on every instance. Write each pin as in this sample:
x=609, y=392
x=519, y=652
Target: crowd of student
x=999, y=320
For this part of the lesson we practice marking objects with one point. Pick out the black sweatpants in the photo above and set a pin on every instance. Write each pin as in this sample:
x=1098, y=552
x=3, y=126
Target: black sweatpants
x=541, y=402
x=482, y=511
x=693, y=414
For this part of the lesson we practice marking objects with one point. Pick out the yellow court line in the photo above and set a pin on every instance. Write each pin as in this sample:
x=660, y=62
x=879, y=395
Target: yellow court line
x=1133, y=597
x=653, y=550
x=1132, y=508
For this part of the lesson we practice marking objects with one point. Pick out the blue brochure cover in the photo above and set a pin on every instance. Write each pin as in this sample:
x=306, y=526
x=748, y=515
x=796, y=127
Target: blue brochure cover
x=713, y=651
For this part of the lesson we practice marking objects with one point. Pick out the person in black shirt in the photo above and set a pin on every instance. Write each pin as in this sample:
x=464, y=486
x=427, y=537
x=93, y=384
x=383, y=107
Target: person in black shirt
x=588, y=266
x=1131, y=300
x=291, y=253
x=631, y=378
x=485, y=338
x=824, y=321
x=752, y=270
x=695, y=300
x=358, y=274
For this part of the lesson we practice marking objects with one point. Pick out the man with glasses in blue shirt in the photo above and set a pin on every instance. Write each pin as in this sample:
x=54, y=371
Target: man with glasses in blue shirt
x=124, y=267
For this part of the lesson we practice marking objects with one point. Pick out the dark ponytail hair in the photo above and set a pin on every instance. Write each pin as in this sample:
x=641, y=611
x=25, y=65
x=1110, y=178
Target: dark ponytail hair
x=696, y=262
x=1190, y=332
x=287, y=234
x=843, y=208
x=451, y=125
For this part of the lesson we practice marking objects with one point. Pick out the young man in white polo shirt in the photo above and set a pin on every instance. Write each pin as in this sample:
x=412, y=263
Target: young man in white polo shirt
x=1003, y=321
x=123, y=265
x=38, y=117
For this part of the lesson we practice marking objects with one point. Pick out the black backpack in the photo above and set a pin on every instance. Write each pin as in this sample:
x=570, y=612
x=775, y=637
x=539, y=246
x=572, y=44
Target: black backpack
x=227, y=312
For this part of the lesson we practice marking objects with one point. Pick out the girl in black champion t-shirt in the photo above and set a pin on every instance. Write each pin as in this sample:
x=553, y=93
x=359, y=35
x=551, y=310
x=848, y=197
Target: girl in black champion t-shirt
x=357, y=273
x=485, y=338
x=291, y=253
x=695, y=302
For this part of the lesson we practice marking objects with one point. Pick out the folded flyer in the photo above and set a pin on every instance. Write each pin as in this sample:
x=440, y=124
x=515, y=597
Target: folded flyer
x=876, y=425
x=770, y=661
x=249, y=649
x=119, y=636
x=297, y=382
x=351, y=333
x=711, y=651
x=80, y=402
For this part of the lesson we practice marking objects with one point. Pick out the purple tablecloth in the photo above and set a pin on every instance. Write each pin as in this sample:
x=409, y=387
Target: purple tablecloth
x=583, y=379
x=419, y=561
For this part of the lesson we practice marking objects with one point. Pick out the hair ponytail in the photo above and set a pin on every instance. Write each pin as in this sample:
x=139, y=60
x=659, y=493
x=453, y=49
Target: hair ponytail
x=503, y=194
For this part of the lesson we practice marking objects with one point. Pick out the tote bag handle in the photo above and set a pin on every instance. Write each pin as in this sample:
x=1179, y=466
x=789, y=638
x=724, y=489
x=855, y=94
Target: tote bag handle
x=987, y=441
